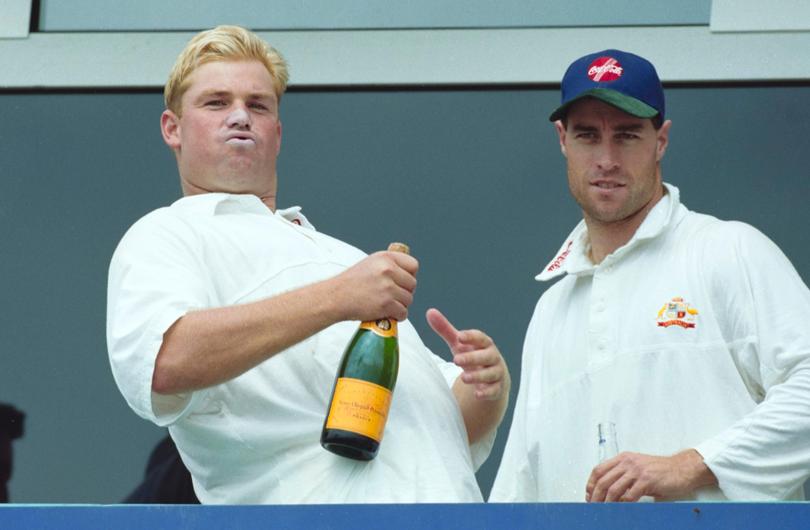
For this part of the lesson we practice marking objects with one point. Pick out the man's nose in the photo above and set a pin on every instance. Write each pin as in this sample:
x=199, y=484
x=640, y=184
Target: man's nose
x=238, y=117
x=607, y=157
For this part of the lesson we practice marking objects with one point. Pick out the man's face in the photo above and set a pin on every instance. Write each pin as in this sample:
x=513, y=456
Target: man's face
x=613, y=162
x=229, y=134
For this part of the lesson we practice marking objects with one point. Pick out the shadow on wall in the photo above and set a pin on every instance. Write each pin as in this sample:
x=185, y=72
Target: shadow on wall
x=11, y=428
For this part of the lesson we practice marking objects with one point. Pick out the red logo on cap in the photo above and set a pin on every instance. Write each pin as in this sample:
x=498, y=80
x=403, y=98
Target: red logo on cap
x=605, y=69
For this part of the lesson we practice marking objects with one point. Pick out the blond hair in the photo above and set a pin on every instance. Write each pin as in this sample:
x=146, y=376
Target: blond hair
x=223, y=43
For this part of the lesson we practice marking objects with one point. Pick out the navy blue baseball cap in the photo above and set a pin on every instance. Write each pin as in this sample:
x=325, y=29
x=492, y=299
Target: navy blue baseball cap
x=624, y=80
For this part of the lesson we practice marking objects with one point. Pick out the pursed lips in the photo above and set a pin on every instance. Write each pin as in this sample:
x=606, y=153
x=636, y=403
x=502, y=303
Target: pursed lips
x=240, y=138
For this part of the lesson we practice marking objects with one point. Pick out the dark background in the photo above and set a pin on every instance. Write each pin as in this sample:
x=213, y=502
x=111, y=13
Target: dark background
x=472, y=179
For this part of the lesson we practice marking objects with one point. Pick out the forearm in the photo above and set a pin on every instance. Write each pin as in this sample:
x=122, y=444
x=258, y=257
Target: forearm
x=210, y=346
x=480, y=415
x=694, y=472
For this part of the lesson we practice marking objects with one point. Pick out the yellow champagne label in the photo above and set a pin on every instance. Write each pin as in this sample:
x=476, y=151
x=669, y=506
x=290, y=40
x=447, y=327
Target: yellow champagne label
x=385, y=327
x=359, y=406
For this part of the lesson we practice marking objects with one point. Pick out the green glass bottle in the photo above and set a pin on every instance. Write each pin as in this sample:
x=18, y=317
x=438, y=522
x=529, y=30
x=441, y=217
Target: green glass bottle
x=364, y=386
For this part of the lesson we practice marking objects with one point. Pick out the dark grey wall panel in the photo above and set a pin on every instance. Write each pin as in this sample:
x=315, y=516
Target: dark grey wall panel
x=473, y=180
x=159, y=15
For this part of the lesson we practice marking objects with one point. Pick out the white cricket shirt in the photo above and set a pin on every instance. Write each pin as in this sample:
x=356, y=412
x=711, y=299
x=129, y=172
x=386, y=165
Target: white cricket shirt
x=693, y=335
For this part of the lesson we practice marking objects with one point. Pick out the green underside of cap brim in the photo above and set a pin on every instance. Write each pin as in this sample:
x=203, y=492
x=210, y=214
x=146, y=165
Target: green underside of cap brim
x=628, y=104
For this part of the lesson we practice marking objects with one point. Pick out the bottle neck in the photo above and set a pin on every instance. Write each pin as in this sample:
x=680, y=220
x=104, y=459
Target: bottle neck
x=384, y=327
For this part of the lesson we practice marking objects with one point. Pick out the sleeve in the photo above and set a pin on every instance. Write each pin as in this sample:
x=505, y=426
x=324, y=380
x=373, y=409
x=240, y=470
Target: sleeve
x=154, y=279
x=763, y=305
x=516, y=480
x=450, y=371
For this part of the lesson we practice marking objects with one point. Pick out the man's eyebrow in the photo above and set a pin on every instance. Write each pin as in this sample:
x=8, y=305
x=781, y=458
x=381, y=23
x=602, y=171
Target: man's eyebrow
x=219, y=93
x=261, y=95
x=213, y=93
x=583, y=128
x=629, y=127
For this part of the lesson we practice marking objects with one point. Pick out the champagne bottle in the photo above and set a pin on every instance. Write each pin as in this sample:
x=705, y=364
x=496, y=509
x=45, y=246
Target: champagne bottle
x=363, y=388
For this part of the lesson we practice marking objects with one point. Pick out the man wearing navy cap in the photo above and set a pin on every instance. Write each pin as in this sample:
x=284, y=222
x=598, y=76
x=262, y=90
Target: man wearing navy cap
x=685, y=332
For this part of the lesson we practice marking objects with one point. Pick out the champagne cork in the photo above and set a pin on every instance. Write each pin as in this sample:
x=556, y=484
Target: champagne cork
x=399, y=247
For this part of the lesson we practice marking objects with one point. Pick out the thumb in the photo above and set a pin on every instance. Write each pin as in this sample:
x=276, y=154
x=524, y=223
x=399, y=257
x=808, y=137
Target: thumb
x=443, y=328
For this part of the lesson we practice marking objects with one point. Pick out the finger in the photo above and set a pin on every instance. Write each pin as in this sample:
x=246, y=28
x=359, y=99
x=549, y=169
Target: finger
x=635, y=492
x=475, y=337
x=490, y=391
x=398, y=307
x=482, y=375
x=390, y=268
x=443, y=328
x=406, y=261
x=404, y=279
x=593, y=478
x=589, y=487
x=617, y=490
x=403, y=287
x=477, y=358
x=397, y=311
x=593, y=491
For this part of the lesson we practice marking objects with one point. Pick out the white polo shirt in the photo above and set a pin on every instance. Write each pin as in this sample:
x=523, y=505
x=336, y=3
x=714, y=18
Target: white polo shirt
x=693, y=335
x=256, y=439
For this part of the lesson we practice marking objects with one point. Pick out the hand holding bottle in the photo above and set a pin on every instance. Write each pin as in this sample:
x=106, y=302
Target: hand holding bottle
x=383, y=283
x=631, y=477
x=364, y=384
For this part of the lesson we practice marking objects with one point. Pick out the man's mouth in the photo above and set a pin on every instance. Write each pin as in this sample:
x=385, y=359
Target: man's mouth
x=240, y=140
x=607, y=184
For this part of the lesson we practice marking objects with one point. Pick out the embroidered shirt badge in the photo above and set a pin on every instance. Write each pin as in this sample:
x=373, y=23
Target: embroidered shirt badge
x=676, y=312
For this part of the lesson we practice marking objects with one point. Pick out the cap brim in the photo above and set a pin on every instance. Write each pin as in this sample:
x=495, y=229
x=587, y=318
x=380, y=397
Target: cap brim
x=623, y=102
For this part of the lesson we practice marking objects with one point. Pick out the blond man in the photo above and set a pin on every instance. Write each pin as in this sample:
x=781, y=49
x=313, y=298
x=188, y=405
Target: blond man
x=227, y=316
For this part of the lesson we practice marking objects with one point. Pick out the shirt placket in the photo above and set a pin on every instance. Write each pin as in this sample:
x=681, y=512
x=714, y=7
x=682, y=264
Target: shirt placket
x=601, y=322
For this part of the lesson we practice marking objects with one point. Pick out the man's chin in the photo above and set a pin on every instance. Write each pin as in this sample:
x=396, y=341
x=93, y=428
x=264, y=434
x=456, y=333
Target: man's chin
x=234, y=184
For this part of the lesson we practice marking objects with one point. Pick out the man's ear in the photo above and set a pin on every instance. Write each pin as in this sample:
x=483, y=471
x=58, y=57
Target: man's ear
x=170, y=129
x=560, y=128
x=662, y=140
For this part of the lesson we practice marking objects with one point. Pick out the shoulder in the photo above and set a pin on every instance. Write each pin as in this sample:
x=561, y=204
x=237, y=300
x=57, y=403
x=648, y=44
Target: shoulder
x=731, y=252
x=734, y=239
x=167, y=220
x=716, y=238
x=160, y=231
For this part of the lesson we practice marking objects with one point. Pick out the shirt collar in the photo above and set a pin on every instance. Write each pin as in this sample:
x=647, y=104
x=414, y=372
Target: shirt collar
x=573, y=255
x=224, y=203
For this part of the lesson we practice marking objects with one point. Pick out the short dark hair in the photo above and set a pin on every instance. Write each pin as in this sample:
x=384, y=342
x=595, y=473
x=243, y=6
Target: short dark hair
x=11, y=421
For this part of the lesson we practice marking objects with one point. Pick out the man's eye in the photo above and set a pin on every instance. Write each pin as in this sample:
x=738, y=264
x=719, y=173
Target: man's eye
x=258, y=106
x=214, y=103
